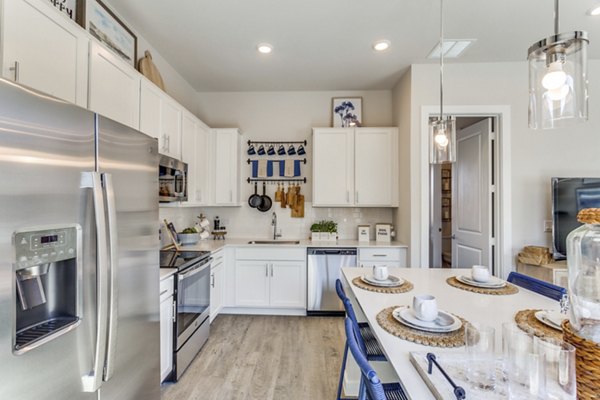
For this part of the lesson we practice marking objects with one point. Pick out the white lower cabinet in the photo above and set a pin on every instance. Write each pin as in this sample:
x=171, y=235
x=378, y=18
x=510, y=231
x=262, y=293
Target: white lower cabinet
x=277, y=282
x=167, y=306
x=217, y=276
x=392, y=257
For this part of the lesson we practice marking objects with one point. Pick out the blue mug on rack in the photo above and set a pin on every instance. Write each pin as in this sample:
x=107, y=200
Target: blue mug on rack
x=301, y=150
x=291, y=150
x=261, y=150
x=251, y=150
x=271, y=150
x=281, y=151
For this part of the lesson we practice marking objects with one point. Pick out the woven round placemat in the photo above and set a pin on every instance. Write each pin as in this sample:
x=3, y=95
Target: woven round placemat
x=527, y=321
x=450, y=339
x=587, y=360
x=405, y=287
x=506, y=290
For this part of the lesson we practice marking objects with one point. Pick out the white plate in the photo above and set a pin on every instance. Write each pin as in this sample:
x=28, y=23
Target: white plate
x=391, y=281
x=405, y=316
x=553, y=319
x=493, y=283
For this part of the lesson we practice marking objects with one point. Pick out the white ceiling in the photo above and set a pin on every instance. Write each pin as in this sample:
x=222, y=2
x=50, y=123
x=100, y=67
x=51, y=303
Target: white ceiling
x=326, y=44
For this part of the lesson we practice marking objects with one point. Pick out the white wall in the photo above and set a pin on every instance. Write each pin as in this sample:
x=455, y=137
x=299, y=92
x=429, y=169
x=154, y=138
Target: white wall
x=536, y=155
x=281, y=116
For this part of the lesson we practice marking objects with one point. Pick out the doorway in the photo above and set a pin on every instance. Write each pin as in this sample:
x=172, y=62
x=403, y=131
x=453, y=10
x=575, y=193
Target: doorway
x=463, y=207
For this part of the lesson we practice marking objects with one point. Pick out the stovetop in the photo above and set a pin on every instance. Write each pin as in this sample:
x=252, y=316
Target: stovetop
x=181, y=259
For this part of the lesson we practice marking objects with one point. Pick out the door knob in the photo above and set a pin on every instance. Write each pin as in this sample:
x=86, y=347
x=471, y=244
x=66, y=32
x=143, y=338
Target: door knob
x=453, y=236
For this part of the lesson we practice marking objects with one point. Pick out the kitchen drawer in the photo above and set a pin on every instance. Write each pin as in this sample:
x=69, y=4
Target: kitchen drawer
x=379, y=254
x=218, y=257
x=389, y=264
x=166, y=288
x=277, y=253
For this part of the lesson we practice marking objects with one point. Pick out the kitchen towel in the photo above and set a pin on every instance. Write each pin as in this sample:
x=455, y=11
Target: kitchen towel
x=267, y=168
x=289, y=168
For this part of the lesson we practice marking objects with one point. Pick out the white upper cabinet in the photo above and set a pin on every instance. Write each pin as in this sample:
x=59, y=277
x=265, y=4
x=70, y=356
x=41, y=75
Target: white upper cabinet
x=171, y=128
x=194, y=152
x=333, y=167
x=150, y=103
x=42, y=49
x=355, y=167
x=374, y=166
x=114, y=87
x=161, y=118
x=226, y=163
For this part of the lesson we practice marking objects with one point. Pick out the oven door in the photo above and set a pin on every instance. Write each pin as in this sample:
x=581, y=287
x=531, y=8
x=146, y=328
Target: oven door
x=193, y=299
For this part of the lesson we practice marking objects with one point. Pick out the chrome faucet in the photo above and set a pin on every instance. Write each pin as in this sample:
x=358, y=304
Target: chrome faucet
x=274, y=225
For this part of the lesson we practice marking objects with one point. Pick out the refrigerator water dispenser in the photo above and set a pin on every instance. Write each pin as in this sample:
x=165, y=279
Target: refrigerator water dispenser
x=47, y=285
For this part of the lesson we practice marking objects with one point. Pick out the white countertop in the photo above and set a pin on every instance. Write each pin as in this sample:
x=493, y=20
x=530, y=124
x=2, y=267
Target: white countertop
x=166, y=272
x=214, y=245
x=487, y=309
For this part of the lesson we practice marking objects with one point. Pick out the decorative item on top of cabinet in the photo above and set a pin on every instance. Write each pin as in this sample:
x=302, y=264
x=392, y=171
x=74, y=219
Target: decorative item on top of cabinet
x=148, y=69
x=346, y=112
x=74, y=9
x=105, y=26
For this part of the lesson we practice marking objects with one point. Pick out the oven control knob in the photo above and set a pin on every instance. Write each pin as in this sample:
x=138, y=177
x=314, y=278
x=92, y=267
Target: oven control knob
x=23, y=261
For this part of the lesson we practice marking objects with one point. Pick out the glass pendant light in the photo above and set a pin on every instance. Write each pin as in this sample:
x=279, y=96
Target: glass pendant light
x=558, y=84
x=442, y=130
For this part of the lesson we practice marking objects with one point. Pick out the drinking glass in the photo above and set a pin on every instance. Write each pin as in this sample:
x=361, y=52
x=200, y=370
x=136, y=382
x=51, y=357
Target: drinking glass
x=558, y=370
x=521, y=363
x=481, y=368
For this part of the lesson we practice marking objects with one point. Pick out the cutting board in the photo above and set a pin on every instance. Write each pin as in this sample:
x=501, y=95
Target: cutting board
x=149, y=70
x=298, y=209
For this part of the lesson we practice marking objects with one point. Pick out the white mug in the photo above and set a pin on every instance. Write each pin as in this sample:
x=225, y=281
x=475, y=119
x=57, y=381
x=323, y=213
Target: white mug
x=380, y=272
x=480, y=273
x=425, y=307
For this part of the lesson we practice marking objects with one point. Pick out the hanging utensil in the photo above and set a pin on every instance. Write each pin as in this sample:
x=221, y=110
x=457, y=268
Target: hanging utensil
x=266, y=202
x=278, y=192
x=255, y=200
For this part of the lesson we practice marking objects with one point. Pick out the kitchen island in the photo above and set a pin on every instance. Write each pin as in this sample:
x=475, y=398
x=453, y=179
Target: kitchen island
x=491, y=310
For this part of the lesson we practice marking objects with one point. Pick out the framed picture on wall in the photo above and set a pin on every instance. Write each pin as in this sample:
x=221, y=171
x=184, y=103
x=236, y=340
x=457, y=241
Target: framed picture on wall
x=346, y=112
x=104, y=25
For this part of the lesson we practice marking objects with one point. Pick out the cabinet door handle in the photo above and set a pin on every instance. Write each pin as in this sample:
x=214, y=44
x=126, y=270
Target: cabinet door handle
x=267, y=270
x=379, y=255
x=271, y=270
x=174, y=311
x=212, y=280
x=356, y=197
x=15, y=69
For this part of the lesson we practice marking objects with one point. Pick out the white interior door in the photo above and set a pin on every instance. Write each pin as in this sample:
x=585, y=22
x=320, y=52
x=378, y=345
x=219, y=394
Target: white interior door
x=471, y=196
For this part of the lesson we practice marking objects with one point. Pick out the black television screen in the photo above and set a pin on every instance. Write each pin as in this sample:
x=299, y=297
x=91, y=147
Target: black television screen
x=569, y=195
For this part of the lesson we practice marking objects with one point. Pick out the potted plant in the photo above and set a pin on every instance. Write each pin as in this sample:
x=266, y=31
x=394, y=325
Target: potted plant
x=330, y=228
x=315, y=231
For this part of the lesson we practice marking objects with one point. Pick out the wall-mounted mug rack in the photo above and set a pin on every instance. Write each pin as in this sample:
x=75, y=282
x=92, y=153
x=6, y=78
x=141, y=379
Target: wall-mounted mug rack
x=249, y=161
x=251, y=142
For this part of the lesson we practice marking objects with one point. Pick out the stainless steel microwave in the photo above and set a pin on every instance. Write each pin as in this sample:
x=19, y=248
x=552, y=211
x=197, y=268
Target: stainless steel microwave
x=172, y=178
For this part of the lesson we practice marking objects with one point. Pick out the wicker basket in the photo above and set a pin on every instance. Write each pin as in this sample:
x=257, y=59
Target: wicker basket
x=587, y=356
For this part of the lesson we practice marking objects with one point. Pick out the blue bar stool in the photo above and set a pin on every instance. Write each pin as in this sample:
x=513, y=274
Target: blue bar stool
x=371, y=387
x=535, y=285
x=367, y=341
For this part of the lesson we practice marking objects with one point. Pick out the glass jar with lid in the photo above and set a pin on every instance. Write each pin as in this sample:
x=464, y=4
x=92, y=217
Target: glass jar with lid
x=583, y=259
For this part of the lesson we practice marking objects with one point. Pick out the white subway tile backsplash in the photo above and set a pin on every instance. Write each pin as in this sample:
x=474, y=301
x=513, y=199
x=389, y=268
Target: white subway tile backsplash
x=245, y=222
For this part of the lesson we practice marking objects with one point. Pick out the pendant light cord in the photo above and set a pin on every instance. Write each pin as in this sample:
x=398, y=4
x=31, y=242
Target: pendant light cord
x=556, y=17
x=442, y=60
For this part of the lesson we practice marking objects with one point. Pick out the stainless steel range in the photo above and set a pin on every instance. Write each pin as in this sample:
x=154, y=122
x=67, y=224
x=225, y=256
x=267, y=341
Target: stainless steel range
x=192, y=292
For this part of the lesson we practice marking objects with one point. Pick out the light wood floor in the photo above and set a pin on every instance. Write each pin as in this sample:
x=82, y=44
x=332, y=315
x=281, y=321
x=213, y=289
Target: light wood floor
x=265, y=357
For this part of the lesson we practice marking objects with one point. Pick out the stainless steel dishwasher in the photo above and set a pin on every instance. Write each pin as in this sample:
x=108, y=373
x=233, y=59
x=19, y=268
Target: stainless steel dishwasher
x=324, y=267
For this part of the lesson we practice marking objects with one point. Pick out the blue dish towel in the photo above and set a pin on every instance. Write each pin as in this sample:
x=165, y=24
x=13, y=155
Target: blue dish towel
x=282, y=168
x=255, y=168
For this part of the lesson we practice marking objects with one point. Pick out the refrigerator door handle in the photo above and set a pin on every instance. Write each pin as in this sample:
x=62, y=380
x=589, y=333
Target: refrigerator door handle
x=111, y=348
x=93, y=381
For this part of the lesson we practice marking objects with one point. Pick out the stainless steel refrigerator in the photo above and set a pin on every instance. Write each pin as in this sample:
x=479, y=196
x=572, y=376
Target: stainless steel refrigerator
x=79, y=253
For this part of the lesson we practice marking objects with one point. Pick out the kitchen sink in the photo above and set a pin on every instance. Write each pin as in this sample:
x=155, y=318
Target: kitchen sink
x=274, y=242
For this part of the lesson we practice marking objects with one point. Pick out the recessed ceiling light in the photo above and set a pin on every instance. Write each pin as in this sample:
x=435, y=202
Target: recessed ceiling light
x=381, y=45
x=264, y=48
x=452, y=48
x=594, y=10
